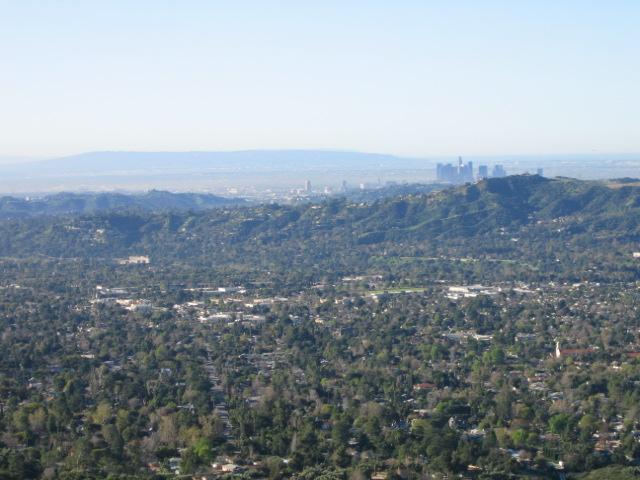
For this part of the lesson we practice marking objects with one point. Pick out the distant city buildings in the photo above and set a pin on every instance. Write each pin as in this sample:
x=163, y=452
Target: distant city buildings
x=464, y=172
x=460, y=174
x=457, y=173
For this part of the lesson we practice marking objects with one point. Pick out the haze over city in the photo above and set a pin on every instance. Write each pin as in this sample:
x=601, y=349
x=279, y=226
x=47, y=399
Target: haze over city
x=412, y=79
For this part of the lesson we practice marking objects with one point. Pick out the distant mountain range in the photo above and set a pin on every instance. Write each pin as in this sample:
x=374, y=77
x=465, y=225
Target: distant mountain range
x=114, y=162
x=221, y=172
x=135, y=162
x=215, y=172
x=71, y=203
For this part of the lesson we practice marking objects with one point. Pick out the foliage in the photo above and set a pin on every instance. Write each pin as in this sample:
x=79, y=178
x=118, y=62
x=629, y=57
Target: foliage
x=325, y=341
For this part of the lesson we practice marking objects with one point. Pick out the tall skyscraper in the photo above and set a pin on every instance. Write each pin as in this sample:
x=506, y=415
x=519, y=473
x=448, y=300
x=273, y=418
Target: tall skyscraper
x=450, y=174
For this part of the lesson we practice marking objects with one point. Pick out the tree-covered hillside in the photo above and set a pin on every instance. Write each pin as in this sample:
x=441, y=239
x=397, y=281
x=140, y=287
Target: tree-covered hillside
x=540, y=228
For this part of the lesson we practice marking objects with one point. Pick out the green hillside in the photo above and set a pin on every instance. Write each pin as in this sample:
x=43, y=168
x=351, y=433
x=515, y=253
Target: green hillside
x=538, y=228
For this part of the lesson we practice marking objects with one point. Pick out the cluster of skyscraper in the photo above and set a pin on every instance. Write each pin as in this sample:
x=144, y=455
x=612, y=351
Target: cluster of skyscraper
x=464, y=172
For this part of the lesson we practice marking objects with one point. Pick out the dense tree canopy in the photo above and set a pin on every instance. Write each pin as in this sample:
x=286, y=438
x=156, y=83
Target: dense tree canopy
x=337, y=340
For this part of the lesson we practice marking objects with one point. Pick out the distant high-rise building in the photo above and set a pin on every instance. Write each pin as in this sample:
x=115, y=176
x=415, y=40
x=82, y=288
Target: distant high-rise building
x=483, y=171
x=307, y=185
x=450, y=174
x=539, y=172
x=498, y=171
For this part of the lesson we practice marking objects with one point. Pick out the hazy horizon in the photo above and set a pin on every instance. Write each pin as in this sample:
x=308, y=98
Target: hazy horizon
x=17, y=160
x=262, y=170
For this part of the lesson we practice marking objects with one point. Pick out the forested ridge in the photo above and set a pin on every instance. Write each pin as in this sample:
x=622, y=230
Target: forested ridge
x=540, y=225
x=489, y=330
x=76, y=203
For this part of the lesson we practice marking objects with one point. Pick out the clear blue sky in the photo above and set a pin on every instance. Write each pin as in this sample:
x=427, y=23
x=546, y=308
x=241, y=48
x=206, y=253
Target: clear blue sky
x=411, y=78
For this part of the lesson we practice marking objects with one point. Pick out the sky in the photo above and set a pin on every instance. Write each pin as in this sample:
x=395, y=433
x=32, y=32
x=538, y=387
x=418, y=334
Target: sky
x=411, y=78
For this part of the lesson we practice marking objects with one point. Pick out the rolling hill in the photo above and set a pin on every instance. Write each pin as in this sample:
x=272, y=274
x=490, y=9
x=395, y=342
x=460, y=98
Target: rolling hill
x=538, y=228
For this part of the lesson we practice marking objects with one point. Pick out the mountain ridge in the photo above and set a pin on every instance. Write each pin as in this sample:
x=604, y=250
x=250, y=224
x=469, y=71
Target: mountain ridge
x=74, y=203
x=108, y=161
x=531, y=224
x=274, y=169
